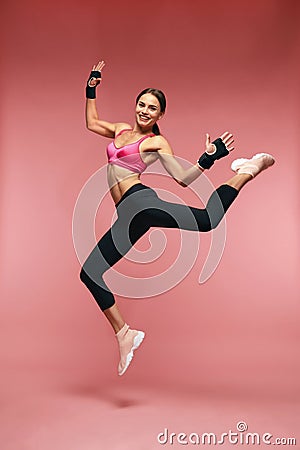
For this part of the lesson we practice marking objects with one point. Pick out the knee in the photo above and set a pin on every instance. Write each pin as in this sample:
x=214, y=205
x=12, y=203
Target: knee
x=212, y=221
x=91, y=272
x=206, y=228
x=210, y=226
x=206, y=225
x=83, y=275
x=99, y=290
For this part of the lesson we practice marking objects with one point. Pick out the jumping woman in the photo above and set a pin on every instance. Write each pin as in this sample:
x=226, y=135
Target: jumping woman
x=138, y=206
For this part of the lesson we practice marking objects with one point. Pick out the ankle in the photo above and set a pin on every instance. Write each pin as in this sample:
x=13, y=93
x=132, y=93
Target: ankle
x=122, y=331
x=239, y=180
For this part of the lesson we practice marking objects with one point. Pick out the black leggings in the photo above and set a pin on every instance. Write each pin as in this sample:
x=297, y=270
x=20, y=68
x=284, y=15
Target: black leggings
x=139, y=209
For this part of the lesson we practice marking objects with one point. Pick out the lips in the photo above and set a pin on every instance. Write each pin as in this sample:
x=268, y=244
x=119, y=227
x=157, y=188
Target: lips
x=144, y=118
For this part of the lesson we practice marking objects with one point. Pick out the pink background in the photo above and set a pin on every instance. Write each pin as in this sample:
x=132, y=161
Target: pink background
x=214, y=354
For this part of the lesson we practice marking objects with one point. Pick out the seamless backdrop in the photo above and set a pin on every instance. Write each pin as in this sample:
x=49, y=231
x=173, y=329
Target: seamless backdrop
x=224, y=66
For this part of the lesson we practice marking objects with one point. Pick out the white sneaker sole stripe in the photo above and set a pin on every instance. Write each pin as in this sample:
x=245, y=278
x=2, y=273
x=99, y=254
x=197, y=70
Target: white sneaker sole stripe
x=136, y=343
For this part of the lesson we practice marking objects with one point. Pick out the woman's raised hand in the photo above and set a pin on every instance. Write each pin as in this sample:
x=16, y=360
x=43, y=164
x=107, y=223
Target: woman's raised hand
x=216, y=149
x=95, y=78
x=227, y=139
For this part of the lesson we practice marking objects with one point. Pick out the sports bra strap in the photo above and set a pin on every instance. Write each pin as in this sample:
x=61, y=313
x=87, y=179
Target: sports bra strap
x=122, y=131
x=130, y=129
x=146, y=136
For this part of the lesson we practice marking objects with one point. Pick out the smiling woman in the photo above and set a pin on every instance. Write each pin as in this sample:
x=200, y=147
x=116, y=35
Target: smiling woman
x=139, y=208
x=151, y=107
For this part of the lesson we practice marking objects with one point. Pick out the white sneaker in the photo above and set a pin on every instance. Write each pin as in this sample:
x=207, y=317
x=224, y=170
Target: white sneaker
x=129, y=340
x=253, y=166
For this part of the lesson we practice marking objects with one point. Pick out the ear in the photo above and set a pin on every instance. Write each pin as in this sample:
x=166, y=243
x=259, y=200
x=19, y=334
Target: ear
x=161, y=116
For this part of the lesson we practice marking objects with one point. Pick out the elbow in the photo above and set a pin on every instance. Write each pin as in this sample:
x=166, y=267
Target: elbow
x=90, y=125
x=181, y=183
x=183, y=180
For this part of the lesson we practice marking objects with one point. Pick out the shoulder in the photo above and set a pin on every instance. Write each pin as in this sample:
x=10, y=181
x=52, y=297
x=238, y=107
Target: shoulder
x=159, y=140
x=161, y=143
x=120, y=126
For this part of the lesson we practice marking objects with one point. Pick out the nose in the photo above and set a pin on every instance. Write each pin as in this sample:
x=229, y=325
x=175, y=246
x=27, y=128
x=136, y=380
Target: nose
x=144, y=110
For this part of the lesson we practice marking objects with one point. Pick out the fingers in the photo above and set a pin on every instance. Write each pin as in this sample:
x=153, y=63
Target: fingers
x=99, y=66
x=228, y=140
x=225, y=136
x=207, y=140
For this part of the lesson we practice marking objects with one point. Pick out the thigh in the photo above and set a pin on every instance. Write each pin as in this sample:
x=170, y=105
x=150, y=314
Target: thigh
x=144, y=209
x=113, y=245
x=175, y=215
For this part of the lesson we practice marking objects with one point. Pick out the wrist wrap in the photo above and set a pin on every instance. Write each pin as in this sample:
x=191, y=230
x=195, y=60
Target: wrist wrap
x=207, y=160
x=91, y=90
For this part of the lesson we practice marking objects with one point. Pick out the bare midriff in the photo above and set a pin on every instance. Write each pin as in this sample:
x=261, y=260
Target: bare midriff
x=120, y=180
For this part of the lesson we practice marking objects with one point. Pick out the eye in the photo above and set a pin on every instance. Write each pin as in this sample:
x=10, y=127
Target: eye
x=141, y=104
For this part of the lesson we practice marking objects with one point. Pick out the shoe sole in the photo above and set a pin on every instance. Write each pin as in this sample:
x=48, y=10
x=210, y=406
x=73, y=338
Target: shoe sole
x=136, y=343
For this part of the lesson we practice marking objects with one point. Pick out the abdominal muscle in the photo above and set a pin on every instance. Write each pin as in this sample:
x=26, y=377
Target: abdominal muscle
x=120, y=180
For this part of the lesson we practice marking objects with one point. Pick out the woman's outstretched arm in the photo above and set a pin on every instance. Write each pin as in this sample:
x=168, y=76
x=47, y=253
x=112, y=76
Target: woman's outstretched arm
x=93, y=123
x=214, y=150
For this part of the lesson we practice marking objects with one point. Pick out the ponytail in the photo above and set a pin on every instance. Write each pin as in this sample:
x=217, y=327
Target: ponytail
x=155, y=129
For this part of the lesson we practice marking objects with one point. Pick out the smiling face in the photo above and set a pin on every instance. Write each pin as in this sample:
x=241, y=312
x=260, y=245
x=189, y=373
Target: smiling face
x=147, y=111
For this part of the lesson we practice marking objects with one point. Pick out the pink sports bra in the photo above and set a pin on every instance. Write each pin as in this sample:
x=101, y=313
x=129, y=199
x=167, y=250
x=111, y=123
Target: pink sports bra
x=127, y=156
